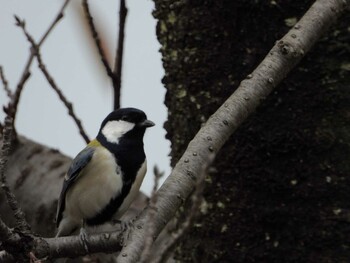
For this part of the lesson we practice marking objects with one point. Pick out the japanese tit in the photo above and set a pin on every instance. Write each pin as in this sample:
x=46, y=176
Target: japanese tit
x=106, y=176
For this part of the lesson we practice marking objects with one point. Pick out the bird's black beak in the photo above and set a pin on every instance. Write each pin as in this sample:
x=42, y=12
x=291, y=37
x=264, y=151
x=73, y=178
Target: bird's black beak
x=146, y=124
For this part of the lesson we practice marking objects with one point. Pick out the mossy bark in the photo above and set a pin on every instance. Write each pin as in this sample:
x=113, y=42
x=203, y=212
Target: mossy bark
x=280, y=188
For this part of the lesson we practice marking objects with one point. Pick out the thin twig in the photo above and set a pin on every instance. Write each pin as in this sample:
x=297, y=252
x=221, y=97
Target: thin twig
x=59, y=16
x=96, y=38
x=118, y=63
x=151, y=215
x=11, y=200
x=11, y=109
x=114, y=75
x=5, y=83
x=51, y=81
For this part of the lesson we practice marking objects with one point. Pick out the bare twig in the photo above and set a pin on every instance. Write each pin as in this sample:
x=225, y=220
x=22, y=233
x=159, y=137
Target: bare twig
x=5, y=83
x=118, y=63
x=52, y=82
x=11, y=200
x=151, y=215
x=11, y=109
x=54, y=22
x=96, y=38
x=114, y=75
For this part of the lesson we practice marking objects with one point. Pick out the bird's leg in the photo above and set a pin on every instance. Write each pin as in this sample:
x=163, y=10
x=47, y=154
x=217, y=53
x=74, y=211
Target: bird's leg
x=124, y=224
x=125, y=227
x=84, y=236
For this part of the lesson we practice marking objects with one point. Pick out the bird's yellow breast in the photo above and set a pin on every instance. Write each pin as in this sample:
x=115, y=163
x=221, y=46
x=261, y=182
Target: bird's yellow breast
x=98, y=183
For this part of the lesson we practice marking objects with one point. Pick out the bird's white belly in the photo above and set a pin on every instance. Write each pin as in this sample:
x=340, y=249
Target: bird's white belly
x=100, y=181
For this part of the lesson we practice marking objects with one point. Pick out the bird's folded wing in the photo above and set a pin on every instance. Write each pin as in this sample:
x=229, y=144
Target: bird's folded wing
x=74, y=172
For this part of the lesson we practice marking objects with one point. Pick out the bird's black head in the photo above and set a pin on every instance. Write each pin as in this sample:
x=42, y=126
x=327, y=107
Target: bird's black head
x=124, y=123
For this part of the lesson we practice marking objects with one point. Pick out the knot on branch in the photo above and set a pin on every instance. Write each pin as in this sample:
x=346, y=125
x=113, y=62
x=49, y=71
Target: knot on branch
x=289, y=49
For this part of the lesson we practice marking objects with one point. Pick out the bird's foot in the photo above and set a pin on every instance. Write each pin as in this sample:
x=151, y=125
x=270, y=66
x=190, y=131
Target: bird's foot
x=125, y=227
x=84, y=236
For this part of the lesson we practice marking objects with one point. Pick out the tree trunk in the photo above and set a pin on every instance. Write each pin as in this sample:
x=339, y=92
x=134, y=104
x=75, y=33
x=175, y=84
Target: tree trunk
x=278, y=191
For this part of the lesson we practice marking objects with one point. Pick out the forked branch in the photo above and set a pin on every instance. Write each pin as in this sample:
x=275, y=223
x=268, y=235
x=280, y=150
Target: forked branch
x=116, y=74
x=69, y=105
x=11, y=108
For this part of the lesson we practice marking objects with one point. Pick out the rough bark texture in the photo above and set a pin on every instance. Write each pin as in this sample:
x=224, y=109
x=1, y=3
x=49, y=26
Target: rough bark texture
x=280, y=190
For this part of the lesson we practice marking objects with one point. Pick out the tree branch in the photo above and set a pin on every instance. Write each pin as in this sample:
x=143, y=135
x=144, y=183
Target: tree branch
x=11, y=109
x=69, y=105
x=11, y=199
x=96, y=38
x=5, y=232
x=114, y=75
x=281, y=59
x=72, y=246
x=5, y=83
x=11, y=240
x=196, y=199
x=146, y=253
x=118, y=63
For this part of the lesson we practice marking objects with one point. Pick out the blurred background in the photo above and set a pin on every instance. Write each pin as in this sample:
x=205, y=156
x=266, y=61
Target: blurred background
x=72, y=59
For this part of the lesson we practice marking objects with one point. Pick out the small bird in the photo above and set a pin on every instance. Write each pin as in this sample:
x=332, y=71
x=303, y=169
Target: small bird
x=105, y=177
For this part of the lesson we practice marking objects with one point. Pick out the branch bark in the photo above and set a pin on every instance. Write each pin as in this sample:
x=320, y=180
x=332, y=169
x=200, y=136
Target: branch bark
x=118, y=64
x=72, y=246
x=7, y=141
x=277, y=64
x=5, y=83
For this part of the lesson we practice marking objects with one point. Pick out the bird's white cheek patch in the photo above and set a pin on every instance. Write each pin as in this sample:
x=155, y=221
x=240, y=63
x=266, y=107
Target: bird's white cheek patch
x=114, y=130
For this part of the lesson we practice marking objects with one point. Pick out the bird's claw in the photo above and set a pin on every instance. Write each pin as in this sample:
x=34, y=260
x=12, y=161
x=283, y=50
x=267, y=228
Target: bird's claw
x=84, y=238
x=125, y=227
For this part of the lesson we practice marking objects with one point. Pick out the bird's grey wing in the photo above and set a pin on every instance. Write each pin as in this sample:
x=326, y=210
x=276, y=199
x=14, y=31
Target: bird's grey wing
x=78, y=164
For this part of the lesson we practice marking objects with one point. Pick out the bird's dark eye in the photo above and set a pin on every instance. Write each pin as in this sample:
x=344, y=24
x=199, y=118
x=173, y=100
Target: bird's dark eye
x=124, y=118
